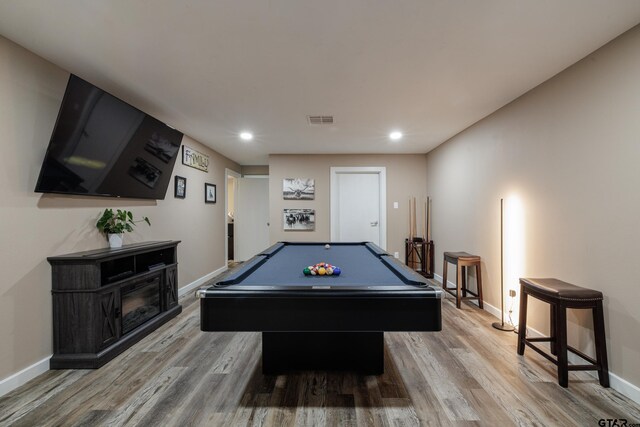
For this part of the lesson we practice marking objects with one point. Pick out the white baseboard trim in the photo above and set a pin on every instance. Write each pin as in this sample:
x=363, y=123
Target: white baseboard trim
x=617, y=383
x=30, y=372
x=199, y=282
x=22, y=377
x=623, y=386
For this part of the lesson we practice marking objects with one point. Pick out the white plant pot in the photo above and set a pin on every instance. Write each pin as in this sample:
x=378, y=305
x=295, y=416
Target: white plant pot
x=115, y=240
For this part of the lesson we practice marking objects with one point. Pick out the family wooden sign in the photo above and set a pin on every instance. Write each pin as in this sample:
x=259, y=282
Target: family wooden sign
x=195, y=159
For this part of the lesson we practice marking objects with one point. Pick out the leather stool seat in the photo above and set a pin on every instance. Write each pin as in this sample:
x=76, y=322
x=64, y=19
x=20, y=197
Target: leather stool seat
x=562, y=290
x=462, y=256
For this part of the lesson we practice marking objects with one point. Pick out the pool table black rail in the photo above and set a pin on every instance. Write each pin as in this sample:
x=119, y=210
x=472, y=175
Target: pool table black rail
x=273, y=249
x=238, y=274
x=298, y=312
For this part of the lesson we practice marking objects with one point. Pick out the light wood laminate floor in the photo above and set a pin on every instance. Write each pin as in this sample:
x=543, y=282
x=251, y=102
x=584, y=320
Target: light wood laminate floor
x=468, y=374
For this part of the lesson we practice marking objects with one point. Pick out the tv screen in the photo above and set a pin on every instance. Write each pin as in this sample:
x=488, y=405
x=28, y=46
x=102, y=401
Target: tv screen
x=102, y=146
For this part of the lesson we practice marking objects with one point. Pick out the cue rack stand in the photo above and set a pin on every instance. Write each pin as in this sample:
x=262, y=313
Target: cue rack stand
x=419, y=250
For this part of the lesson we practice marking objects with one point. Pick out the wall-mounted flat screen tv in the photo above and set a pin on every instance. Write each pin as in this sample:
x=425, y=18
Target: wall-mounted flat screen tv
x=102, y=146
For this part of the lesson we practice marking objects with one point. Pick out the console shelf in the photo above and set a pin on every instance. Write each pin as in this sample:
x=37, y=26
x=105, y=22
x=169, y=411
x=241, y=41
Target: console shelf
x=106, y=300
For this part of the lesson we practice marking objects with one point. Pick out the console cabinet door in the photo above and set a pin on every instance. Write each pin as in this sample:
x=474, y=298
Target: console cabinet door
x=109, y=318
x=171, y=287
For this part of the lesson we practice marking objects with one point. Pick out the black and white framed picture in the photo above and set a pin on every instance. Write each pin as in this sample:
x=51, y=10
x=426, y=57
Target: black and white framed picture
x=298, y=188
x=180, y=190
x=299, y=219
x=209, y=193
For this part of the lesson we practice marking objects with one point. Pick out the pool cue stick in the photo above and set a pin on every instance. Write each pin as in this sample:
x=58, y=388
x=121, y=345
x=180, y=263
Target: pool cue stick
x=409, y=238
x=424, y=222
x=412, y=209
x=428, y=219
x=415, y=223
x=409, y=218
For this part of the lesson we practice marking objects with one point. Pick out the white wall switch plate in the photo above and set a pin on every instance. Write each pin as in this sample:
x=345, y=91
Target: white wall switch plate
x=396, y=254
x=395, y=205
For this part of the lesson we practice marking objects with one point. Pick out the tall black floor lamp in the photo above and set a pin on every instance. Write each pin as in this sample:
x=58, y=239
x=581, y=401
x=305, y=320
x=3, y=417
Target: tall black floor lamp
x=501, y=325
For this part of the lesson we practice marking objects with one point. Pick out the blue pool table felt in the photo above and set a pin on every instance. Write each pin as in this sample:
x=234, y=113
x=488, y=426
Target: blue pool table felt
x=358, y=264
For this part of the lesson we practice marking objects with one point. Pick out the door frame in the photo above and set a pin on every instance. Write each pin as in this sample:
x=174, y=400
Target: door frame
x=237, y=176
x=382, y=172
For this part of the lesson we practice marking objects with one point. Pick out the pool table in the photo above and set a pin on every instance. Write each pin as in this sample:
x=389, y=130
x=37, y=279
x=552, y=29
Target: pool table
x=321, y=322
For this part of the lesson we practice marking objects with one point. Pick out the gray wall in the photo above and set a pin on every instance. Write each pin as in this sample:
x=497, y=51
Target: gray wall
x=35, y=226
x=569, y=152
x=406, y=177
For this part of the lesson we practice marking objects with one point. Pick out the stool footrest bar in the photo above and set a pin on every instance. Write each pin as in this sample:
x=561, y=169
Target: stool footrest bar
x=541, y=352
x=582, y=368
x=541, y=339
x=582, y=355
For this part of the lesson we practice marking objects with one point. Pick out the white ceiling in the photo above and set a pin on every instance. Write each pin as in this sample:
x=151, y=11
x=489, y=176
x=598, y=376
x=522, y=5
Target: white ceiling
x=212, y=68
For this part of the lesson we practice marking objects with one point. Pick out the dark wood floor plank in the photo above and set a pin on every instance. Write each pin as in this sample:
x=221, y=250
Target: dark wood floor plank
x=139, y=404
x=284, y=401
x=234, y=354
x=425, y=403
x=509, y=393
x=400, y=412
x=390, y=383
x=368, y=402
x=312, y=399
x=442, y=379
x=341, y=410
x=16, y=405
x=490, y=413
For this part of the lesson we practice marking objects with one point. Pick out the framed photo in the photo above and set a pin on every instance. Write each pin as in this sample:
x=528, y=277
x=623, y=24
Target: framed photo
x=298, y=189
x=180, y=190
x=299, y=219
x=209, y=193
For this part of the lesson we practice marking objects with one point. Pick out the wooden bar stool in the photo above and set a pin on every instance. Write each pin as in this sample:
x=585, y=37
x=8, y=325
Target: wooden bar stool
x=462, y=261
x=561, y=296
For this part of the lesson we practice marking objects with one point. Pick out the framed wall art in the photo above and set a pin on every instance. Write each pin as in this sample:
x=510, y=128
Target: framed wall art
x=209, y=193
x=195, y=159
x=180, y=187
x=298, y=189
x=299, y=219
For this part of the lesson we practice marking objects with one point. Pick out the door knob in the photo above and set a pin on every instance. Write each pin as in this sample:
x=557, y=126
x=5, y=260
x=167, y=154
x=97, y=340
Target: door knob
x=374, y=223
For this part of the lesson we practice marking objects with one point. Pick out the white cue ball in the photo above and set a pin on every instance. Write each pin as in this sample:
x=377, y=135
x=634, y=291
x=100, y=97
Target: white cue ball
x=327, y=246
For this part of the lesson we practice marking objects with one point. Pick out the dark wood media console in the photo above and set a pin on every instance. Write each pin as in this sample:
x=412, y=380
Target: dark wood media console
x=106, y=300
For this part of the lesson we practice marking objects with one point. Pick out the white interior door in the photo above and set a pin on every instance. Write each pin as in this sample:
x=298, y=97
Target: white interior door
x=358, y=205
x=251, y=224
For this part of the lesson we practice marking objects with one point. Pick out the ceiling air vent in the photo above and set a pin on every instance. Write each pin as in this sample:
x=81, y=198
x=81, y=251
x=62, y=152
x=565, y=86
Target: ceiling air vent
x=320, y=120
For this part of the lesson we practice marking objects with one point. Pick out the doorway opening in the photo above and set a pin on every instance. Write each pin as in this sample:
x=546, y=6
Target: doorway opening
x=230, y=207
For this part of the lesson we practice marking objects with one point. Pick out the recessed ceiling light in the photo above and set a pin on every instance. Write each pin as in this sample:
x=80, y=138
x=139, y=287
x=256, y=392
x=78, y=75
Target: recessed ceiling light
x=246, y=136
x=395, y=135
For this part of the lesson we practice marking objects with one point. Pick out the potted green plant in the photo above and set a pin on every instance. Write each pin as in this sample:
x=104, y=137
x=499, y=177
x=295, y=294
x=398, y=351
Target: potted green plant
x=114, y=224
